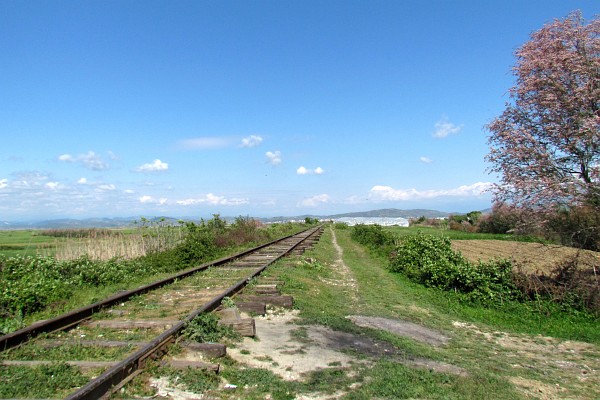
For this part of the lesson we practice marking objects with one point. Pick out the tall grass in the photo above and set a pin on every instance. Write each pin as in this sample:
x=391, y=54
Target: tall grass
x=107, y=244
x=102, y=248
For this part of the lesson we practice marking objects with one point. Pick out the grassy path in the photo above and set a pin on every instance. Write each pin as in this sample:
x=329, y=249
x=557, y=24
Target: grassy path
x=341, y=278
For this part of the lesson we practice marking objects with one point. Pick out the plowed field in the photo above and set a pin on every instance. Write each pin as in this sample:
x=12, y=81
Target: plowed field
x=532, y=257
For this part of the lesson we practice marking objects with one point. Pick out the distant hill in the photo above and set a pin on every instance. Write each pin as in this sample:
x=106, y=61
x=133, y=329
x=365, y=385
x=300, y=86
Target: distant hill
x=382, y=213
x=121, y=222
x=68, y=223
x=393, y=213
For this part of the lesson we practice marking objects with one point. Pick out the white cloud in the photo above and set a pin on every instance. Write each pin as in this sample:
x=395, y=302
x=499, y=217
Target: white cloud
x=302, y=171
x=66, y=158
x=204, y=143
x=89, y=160
x=3, y=183
x=154, y=166
x=52, y=185
x=387, y=193
x=212, y=199
x=274, y=157
x=129, y=191
x=82, y=181
x=107, y=187
x=443, y=128
x=314, y=201
x=251, y=141
x=426, y=160
x=146, y=199
x=305, y=171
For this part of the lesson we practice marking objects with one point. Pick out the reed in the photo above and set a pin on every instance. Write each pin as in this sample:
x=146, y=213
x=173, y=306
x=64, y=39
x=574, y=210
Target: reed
x=106, y=245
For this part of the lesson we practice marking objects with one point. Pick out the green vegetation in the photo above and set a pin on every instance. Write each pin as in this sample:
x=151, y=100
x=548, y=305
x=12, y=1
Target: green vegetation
x=55, y=380
x=488, y=292
x=33, y=283
x=206, y=328
x=431, y=261
x=25, y=242
x=462, y=235
x=374, y=290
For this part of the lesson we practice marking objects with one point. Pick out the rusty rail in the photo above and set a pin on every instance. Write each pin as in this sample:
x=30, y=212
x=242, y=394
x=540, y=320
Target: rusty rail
x=104, y=384
x=74, y=317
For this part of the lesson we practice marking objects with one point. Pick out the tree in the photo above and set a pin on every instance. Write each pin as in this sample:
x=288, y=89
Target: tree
x=546, y=144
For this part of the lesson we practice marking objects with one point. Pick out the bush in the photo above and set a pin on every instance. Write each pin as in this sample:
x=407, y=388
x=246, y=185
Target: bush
x=431, y=261
x=374, y=237
x=571, y=285
x=505, y=218
x=577, y=227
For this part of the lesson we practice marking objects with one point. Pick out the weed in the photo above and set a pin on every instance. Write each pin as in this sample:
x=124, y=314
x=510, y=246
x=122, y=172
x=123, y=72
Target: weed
x=300, y=334
x=206, y=328
x=54, y=380
x=228, y=302
x=191, y=379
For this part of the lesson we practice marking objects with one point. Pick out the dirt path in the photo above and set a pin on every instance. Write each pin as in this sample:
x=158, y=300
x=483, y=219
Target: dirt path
x=345, y=277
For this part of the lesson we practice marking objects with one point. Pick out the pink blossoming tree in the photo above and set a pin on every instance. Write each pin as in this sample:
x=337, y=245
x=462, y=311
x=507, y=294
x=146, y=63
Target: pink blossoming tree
x=546, y=144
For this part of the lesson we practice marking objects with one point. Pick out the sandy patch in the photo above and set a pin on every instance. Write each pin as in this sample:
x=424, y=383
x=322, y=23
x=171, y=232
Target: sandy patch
x=166, y=389
x=292, y=351
x=288, y=355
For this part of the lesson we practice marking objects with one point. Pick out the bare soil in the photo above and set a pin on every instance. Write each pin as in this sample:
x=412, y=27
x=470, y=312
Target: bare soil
x=531, y=257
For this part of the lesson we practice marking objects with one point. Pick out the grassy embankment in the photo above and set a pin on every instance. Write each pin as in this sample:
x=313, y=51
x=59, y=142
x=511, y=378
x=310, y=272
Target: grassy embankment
x=507, y=353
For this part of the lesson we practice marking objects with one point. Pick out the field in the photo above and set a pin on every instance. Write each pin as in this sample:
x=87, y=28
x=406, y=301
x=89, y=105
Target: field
x=530, y=257
x=97, y=244
x=26, y=242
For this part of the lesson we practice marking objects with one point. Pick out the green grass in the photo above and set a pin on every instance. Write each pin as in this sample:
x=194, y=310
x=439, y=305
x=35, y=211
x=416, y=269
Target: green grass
x=378, y=292
x=25, y=242
x=55, y=380
x=461, y=235
x=385, y=294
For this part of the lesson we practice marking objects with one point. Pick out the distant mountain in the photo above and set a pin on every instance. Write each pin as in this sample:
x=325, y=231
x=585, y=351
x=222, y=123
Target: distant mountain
x=121, y=222
x=382, y=213
x=68, y=223
x=393, y=213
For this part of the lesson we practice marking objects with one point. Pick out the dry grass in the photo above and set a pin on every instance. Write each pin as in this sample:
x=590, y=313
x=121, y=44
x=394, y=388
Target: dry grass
x=111, y=245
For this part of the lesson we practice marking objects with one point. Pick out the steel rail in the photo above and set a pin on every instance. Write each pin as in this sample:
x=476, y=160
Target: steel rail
x=74, y=317
x=103, y=384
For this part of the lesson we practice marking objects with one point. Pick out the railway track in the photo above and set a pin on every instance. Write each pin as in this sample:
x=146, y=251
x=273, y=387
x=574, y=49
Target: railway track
x=116, y=337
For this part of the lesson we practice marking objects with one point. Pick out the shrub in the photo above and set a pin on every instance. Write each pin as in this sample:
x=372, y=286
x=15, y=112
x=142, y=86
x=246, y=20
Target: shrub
x=577, y=227
x=571, y=285
x=374, y=237
x=505, y=218
x=371, y=235
x=431, y=261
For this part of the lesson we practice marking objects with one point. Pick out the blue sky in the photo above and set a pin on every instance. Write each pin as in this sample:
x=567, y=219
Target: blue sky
x=260, y=108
